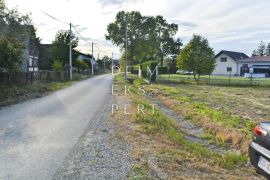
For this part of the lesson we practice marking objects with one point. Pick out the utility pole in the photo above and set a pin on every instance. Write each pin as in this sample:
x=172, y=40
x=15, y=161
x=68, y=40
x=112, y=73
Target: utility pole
x=104, y=64
x=125, y=72
x=92, y=61
x=70, y=52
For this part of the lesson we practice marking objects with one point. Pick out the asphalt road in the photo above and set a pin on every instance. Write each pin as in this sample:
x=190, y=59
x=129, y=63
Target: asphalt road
x=38, y=134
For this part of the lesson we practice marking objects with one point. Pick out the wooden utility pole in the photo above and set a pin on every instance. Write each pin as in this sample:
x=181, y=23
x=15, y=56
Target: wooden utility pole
x=92, y=60
x=70, y=52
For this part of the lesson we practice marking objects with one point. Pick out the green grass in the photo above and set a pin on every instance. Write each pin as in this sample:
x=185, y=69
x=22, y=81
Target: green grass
x=54, y=86
x=214, y=80
x=10, y=95
x=203, y=109
x=140, y=172
x=160, y=123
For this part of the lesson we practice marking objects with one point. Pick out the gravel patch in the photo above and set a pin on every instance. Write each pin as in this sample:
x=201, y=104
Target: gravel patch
x=98, y=153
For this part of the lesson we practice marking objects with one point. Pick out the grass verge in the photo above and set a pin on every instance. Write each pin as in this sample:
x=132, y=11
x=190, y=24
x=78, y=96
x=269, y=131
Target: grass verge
x=159, y=123
x=222, y=126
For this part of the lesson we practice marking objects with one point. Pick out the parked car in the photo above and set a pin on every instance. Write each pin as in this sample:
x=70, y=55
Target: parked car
x=184, y=72
x=259, y=149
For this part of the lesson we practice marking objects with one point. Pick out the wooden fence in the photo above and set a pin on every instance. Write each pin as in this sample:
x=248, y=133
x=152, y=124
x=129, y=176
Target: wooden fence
x=24, y=78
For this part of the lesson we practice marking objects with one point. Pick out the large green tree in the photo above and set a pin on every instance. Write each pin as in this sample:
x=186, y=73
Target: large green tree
x=11, y=23
x=197, y=57
x=148, y=37
x=60, y=47
x=10, y=54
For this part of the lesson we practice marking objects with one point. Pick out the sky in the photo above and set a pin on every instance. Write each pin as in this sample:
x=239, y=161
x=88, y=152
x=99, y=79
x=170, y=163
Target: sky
x=235, y=25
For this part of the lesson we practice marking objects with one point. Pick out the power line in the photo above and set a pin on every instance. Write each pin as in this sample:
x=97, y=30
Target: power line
x=74, y=27
x=81, y=35
x=55, y=18
x=90, y=43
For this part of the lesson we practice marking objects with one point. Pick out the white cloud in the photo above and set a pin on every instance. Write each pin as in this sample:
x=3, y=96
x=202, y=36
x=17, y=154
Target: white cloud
x=228, y=24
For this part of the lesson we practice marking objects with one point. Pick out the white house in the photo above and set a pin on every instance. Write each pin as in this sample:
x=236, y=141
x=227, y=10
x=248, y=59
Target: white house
x=226, y=63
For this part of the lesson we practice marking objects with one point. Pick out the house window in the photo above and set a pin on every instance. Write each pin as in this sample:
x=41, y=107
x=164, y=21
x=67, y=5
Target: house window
x=223, y=59
x=34, y=62
x=229, y=69
x=30, y=62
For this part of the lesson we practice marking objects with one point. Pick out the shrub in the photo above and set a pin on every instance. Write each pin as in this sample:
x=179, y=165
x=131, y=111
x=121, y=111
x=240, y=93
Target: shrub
x=163, y=70
x=57, y=65
x=81, y=65
x=151, y=65
x=139, y=82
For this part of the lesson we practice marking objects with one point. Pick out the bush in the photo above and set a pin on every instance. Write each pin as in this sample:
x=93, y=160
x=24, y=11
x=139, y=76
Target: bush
x=81, y=65
x=57, y=65
x=163, y=70
x=151, y=65
x=139, y=82
x=134, y=70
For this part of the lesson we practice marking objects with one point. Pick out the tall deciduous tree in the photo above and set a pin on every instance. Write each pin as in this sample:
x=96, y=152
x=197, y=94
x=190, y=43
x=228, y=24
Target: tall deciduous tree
x=148, y=37
x=60, y=47
x=11, y=22
x=197, y=57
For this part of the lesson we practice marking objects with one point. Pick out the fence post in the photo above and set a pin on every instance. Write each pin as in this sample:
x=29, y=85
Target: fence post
x=25, y=76
x=8, y=79
x=47, y=72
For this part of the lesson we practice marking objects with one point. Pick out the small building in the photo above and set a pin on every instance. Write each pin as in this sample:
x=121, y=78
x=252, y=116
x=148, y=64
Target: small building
x=82, y=56
x=88, y=57
x=259, y=66
x=30, y=56
x=227, y=63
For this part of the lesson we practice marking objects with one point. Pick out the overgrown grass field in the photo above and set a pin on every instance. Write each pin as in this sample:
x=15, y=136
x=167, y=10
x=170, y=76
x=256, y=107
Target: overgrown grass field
x=215, y=80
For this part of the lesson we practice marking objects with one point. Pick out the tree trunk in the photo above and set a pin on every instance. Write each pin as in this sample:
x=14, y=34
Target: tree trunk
x=196, y=78
x=161, y=58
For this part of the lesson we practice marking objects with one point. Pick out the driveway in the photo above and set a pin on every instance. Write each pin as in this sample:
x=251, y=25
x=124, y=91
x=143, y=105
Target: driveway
x=36, y=136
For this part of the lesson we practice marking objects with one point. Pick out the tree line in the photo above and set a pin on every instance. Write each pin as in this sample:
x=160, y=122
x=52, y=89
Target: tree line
x=152, y=38
x=148, y=37
x=262, y=50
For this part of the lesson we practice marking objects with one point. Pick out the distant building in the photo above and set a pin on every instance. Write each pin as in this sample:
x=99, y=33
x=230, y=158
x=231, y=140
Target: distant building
x=240, y=64
x=88, y=57
x=259, y=66
x=82, y=56
x=226, y=62
x=30, y=56
x=115, y=63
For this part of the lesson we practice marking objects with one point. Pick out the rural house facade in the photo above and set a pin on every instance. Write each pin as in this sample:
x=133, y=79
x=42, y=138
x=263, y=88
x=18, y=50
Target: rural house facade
x=30, y=56
x=239, y=64
x=226, y=63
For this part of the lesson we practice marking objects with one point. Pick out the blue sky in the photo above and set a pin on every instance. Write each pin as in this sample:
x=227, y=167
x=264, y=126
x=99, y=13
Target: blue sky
x=236, y=25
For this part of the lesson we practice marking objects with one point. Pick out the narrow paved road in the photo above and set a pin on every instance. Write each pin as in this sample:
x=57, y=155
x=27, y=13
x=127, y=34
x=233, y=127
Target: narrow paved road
x=37, y=135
